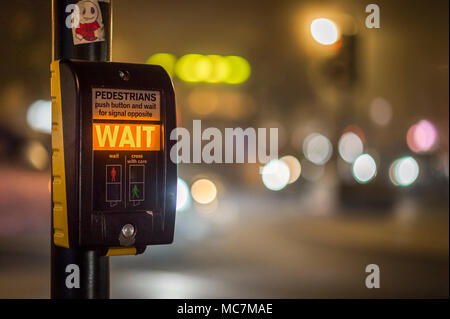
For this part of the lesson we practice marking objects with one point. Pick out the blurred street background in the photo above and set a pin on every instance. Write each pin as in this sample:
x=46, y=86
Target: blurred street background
x=363, y=124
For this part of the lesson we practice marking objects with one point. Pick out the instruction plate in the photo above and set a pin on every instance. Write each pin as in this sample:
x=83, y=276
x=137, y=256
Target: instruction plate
x=130, y=105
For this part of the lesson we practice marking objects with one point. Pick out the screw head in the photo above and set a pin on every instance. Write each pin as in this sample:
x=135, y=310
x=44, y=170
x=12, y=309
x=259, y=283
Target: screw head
x=128, y=231
x=124, y=75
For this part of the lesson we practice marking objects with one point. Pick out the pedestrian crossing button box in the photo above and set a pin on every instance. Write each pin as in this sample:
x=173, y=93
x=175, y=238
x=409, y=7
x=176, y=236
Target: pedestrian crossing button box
x=113, y=183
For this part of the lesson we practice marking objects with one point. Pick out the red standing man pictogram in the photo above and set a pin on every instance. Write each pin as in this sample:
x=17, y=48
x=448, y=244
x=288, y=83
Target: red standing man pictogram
x=113, y=174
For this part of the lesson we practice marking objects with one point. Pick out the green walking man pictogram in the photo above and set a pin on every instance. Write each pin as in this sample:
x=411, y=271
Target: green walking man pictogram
x=135, y=192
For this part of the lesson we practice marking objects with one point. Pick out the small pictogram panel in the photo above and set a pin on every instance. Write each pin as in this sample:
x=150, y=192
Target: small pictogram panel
x=113, y=184
x=136, y=191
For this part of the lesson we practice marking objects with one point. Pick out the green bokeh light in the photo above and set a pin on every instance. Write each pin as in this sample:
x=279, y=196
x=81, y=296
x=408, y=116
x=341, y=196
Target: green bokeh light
x=193, y=68
x=203, y=68
x=221, y=69
x=197, y=68
x=240, y=70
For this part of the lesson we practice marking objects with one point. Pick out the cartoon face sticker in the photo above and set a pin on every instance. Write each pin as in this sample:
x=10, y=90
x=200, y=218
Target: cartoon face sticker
x=89, y=11
x=90, y=27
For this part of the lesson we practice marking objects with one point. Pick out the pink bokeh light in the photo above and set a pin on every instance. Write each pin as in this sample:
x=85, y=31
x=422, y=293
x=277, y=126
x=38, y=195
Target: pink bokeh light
x=422, y=137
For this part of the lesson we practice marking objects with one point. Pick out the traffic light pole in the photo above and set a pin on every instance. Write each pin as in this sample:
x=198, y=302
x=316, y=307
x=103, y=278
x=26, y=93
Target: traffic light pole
x=93, y=269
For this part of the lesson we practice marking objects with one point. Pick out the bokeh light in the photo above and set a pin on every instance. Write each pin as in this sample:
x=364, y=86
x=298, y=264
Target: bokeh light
x=404, y=171
x=196, y=68
x=183, y=195
x=275, y=175
x=204, y=191
x=422, y=137
x=295, y=167
x=221, y=69
x=203, y=68
x=364, y=168
x=356, y=130
x=223, y=103
x=235, y=105
x=39, y=116
x=317, y=148
x=380, y=111
x=166, y=60
x=350, y=147
x=37, y=155
x=203, y=101
x=240, y=70
x=324, y=31
x=193, y=68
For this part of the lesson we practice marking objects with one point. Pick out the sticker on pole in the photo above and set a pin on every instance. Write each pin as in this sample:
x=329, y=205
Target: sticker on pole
x=130, y=105
x=87, y=23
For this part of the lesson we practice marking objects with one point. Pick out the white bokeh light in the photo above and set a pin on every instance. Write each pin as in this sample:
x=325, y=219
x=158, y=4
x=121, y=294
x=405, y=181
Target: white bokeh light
x=324, y=31
x=364, y=168
x=275, y=175
x=183, y=196
x=39, y=116
x=350, y=147
x=404, y=171
x=317, y=148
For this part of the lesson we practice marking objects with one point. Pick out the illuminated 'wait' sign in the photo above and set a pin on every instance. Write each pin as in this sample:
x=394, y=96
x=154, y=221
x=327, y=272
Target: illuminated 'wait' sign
x=126, y=137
